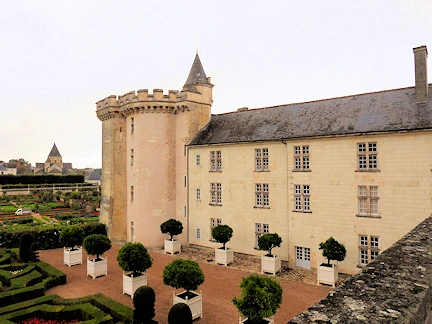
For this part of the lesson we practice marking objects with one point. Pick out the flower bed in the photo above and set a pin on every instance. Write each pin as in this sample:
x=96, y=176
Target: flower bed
x=36, y=320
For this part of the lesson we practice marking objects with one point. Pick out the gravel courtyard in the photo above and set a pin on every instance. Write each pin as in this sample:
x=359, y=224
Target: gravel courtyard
x=220, y=286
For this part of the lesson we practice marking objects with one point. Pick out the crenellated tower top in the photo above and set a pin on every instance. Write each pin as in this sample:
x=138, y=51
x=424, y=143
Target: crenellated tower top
x=196, y=91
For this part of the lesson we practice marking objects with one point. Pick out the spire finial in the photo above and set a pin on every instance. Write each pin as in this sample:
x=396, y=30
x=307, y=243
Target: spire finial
x=196, y=41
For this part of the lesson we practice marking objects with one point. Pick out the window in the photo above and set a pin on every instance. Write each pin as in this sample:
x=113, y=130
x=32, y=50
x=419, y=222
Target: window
x=369, y=247
x=132, y=125
x=302, y=198
x=368, y=201
x=367, y=156
x=260, y=230
x=215, y=161
x=262, y=195
x=198, y=193
x=215, y=193
x=261, y=160
x=213, y=223
x=198, y=233
x=131, y=193
x=198, y=159
x=132, y=157
x=301, y=158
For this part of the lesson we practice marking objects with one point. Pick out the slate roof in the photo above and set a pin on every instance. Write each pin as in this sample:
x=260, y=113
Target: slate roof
x=390, y=110
x=54, y=151
x=94, y=175
x=196, y=74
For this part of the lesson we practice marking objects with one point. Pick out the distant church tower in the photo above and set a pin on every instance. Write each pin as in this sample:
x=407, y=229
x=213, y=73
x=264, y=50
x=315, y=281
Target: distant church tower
x=144, y=162
x=54, y=162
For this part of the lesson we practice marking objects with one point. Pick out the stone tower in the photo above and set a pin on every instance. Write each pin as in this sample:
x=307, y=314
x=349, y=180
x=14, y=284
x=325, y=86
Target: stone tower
x=54, y=161
x=144, y=162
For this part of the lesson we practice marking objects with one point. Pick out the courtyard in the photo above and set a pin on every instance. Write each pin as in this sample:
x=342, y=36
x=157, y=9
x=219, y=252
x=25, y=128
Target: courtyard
x=220, y=285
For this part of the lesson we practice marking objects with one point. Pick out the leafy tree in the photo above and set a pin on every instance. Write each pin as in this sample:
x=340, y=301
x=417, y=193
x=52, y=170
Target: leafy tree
x=261, y=297
x=97, y=244
x=222, y=234
x=332, y=250
x=134, y=257
x=269, y=241
x=71, y=236
x=172, y=227
x=184, y=274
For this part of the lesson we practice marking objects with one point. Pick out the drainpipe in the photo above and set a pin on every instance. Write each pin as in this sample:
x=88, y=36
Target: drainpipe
x=287, y=195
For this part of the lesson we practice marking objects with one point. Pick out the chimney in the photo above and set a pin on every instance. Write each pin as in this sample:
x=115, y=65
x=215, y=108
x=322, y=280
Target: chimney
x=242, y=109
x=421, y=81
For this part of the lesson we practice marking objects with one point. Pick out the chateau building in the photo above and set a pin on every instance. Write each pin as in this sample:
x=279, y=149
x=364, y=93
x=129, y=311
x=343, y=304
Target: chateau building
x=53, y=164
x=358, y=168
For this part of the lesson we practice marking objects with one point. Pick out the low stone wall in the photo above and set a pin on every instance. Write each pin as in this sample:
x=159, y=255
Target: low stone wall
x=394, y=288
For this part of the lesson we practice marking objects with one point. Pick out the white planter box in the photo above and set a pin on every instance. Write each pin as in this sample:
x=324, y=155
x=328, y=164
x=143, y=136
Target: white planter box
x=131, y=283
x=195, y=303
x=269, y=321
x=271, y=264
x=224, y=257
x=97, y=268
x=172, y=246
x=327, y=275
x=72, y=258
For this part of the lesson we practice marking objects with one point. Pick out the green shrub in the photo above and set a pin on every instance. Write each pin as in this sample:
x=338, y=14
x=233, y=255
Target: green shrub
x=183, y=274
x=333, y=250
x=24, y=247
x=269, y=241
x=180, y=314
x=144, y=301
x=134, y=257
x=222, y=234
x=261, y=297
x=172, y=227
x=97, y=244
x=71, y=236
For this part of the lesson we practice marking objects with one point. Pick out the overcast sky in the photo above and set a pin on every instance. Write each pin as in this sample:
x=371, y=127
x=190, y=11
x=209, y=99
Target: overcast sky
x=60, y=57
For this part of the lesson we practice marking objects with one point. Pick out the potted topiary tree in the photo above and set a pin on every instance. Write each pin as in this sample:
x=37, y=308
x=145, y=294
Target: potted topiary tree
x=222, y=234
x=270, y=263
x=72, y=236
x=97, y=244
x=134, y=259
x=332, y=250
x=172, y=227
x=188, y=275
x=261, y=298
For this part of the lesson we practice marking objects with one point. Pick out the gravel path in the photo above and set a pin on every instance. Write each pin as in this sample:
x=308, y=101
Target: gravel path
x=220, y=286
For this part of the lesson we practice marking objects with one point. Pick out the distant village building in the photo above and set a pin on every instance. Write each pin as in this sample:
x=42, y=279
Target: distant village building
x=93, y=177
x=3, y=170
x=54, y=164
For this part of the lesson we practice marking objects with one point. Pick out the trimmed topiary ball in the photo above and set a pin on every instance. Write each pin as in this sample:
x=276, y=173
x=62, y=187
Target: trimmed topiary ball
x=71, y=236
x=134, y=257
x=269, y=241
x=144, y=300
x=180, y=314
x=185, y=274
x=172, y=227
x=97, y=244
x=222, y=234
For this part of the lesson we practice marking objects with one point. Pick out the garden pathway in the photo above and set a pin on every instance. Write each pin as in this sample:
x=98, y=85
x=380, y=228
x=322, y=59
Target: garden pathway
x=220, y=286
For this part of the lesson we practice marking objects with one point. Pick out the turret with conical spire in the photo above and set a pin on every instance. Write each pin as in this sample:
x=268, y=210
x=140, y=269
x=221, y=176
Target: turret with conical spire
x=54, y=151
x=196, y=75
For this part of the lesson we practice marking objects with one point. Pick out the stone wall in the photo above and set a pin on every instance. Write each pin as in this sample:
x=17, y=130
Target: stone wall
x=394, y=288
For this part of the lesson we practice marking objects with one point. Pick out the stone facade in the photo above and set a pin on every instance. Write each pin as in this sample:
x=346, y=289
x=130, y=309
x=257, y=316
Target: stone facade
x=54, y=164
x=394, y=288
x=356, y=168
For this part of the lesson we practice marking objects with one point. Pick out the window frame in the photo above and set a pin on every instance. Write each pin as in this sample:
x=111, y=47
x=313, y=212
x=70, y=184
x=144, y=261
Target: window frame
x=262, y=195
x=302, y=198
x=262, y=160
x=369, y=247
x=301, y=155
x=215, y=161
x=215, y=194
x=368, y=201
x=213, y=223
x=198, y=160
x=367, y=157
x=132, y=156
x=198, y=194
x=260, y=230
